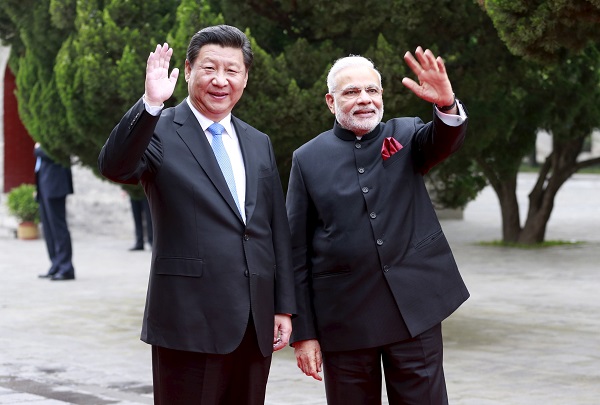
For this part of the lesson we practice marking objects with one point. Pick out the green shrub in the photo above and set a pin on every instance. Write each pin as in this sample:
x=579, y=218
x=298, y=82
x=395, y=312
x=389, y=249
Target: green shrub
x=22, y=204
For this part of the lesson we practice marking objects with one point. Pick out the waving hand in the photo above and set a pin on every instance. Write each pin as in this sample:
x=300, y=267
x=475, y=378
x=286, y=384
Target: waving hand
x=159, y=84
x=434, y=85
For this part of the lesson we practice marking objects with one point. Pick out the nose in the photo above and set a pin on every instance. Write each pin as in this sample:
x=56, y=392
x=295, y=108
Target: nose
x=219, y=78
x=363, y=97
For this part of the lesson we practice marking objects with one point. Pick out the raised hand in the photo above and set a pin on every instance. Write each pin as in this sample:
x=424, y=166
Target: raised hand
x=159, y=84
x=434, y=85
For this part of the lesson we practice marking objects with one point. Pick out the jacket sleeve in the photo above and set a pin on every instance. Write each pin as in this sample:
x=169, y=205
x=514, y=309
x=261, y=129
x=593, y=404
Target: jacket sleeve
x=436, y=141
x=301, y=216
x=285, y=302
x=124, y=157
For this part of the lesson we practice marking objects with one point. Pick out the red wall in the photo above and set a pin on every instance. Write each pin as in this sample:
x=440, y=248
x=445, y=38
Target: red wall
x=19, y=161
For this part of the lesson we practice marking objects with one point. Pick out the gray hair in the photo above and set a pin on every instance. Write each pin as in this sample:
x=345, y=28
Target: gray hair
x=348, y=61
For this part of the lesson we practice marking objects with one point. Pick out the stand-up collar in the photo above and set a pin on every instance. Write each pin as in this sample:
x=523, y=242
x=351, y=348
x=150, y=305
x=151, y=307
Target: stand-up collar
x=347, y=135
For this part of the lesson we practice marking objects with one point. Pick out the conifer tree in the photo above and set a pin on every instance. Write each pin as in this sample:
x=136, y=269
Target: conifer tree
x=80, y=64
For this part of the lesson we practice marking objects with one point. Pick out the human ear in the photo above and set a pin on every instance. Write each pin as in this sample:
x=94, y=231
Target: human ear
x=330, y=102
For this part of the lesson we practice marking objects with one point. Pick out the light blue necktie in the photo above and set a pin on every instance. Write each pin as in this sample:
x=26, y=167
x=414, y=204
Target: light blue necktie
x=223, y=159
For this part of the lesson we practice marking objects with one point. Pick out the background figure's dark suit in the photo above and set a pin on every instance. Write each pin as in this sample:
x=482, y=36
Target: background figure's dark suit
x=142, y=219
x=209, y=270
x=54, y=183
x=372, y=264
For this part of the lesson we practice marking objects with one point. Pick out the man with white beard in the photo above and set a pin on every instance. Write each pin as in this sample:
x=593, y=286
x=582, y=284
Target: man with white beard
x=374, y=273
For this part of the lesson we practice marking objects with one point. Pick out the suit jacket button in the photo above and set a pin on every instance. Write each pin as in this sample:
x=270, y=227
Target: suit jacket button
x=361, y=170
x=373, y=215
x=365, y=190
x=132, y=123
x=246, y=273
x=357, y=145
x=246, y=237
x=379, y=242
x=386, y=268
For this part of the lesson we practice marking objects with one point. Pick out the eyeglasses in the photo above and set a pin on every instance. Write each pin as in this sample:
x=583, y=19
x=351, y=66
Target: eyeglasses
x=355, y=92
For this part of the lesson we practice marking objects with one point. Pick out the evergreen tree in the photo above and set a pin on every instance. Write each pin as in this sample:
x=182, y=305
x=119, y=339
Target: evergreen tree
x=558, y=37
x=100, y=67
x=80, y=64
x=192, y=16
x=35, y=42
x=546, y=30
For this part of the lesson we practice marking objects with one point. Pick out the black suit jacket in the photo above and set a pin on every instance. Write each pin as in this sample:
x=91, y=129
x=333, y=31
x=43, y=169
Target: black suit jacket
x=372, y=265
x=209, y=270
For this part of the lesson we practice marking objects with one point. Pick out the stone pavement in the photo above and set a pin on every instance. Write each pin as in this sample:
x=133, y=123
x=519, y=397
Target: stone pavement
x=529, y=334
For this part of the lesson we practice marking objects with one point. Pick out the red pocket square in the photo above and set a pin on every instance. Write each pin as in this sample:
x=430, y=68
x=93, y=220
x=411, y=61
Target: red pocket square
x=389, y=147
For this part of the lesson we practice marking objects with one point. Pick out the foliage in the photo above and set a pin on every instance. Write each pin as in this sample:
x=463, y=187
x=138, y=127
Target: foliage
x=80, y=65
x=100, y=66
x=22, y=204
x=275, y=103
x=191, y=17
x=35, y=42
x=562, y=83
x=546, y=30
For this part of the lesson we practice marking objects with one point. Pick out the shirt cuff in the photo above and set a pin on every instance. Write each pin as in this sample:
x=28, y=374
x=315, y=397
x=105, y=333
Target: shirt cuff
x=151, y=109
x=453, y=120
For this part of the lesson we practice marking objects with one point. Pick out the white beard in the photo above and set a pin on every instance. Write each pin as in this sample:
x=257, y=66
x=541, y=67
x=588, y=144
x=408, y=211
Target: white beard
x=359, y=126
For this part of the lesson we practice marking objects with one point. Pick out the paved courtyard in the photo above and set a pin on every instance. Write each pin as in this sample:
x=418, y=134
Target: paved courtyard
x=529, y=334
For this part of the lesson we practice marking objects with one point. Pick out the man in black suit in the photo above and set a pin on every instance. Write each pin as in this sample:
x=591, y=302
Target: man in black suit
x=374, y=273
x=54, y=182
x=221, y=291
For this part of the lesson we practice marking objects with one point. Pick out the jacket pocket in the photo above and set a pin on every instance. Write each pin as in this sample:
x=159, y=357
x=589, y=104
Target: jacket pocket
x=401, y=154
x=179, y=266
x=428, y=240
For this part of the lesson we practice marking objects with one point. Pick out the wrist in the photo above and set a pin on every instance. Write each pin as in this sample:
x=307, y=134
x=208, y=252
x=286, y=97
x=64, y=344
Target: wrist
x=448, y=107
x=150, y=102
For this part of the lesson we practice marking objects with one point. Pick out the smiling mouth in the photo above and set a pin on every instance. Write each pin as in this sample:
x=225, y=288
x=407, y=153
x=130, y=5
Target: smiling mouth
x=363, y=113
x=219, y=95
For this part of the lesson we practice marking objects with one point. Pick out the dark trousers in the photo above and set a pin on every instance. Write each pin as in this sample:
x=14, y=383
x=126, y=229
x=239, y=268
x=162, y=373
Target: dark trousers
x=413, y=373
x=189, y=378
x=53, y=214
x=141, y=213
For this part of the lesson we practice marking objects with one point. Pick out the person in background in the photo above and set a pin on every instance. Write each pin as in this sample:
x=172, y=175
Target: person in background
x=374, y=273
x=221, y=290
x=142, y=217
x=54, y=182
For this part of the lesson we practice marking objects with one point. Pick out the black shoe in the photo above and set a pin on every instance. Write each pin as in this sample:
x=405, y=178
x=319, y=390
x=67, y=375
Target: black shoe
x=47, y=275
x=136, y=247
x=62, y=277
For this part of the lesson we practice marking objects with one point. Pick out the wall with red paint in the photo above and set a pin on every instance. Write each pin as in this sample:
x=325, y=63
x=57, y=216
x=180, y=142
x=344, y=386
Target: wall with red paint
x=19, y=161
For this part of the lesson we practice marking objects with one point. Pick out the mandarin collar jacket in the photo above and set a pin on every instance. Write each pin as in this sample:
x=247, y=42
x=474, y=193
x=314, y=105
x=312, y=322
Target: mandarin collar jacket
x=371, y=261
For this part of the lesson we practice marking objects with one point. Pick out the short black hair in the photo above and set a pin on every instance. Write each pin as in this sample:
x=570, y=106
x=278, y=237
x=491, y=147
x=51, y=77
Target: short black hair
x=223, y=35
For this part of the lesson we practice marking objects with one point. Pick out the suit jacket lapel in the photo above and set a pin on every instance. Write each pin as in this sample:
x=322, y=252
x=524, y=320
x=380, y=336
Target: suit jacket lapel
x=192, y=135
x=250, y=162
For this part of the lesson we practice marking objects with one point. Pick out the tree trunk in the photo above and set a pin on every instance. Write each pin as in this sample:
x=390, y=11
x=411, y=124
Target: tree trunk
x=558, y=168
x=509, y=206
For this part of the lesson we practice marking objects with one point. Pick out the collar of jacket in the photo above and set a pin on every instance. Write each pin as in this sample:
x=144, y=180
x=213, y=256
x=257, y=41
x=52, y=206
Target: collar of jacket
x=347, y=135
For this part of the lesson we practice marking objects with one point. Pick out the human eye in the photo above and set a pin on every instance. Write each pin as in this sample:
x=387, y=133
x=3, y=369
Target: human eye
x=350, y=92
x=372, y=91
x=208, y=68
